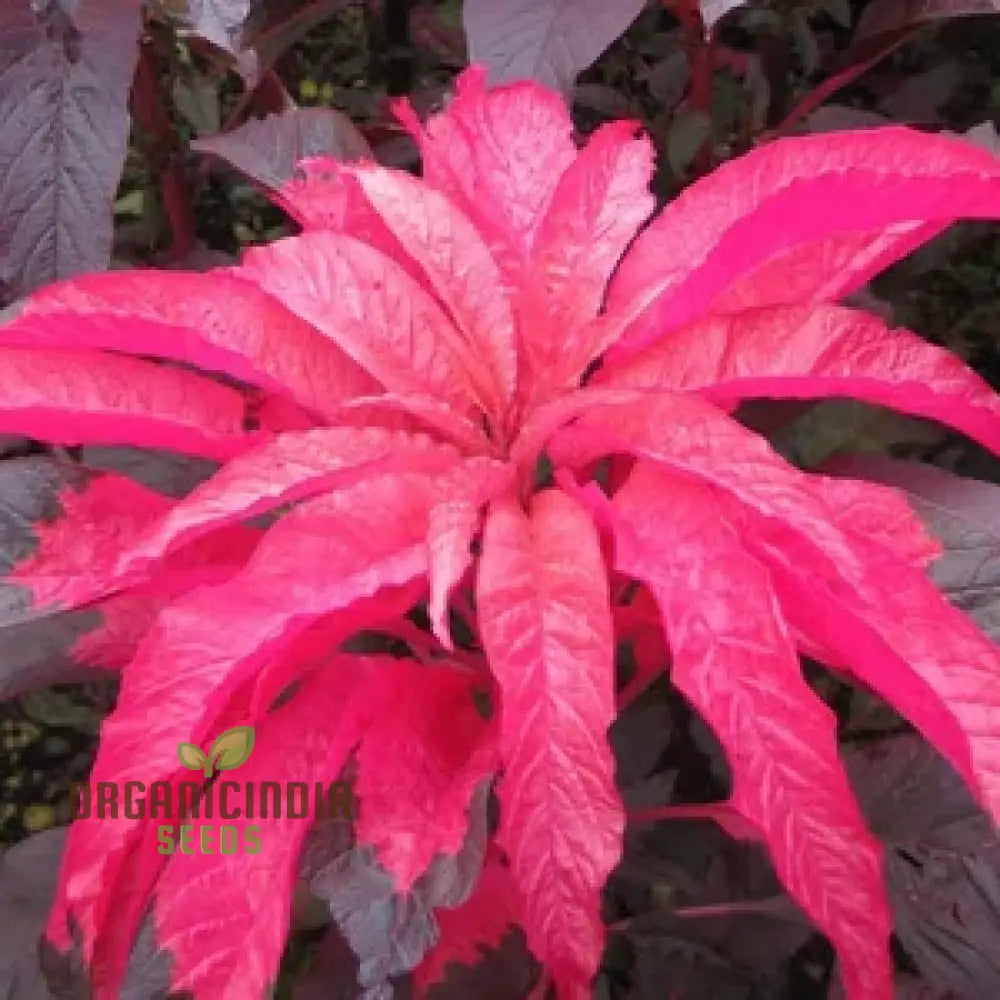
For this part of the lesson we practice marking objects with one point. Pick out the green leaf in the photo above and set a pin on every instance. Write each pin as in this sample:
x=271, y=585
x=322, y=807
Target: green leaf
x=191, y=756
x=232, y=748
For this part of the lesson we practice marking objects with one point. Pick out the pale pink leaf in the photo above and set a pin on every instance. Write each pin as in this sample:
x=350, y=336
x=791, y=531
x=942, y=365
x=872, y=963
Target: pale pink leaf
x=546, y=626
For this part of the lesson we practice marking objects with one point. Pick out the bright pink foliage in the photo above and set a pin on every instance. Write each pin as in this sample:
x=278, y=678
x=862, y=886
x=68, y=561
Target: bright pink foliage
x=401, y=366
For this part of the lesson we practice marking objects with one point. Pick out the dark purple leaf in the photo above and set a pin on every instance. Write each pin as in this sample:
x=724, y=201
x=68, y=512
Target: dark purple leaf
x=507, y=972
x=28, y=873
x=388, y=932
x=166, y=472
x=886, y=17
x=267, y=149
x=942, y=865
x=64, y=83
x=551, y=41
x=333, y=974
x=217, y=21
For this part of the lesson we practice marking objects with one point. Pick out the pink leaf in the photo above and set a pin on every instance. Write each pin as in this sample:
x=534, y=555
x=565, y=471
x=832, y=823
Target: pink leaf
x=460, y=270
x=368, y=307
x=786, y=195
x=215, y=320
x=77, y=397
x=290, y=468
x=816, y=351
x=546, y=627
x=420, y=761
x=599, y=203
x=231, y=944
x=827, y=270
x=735, y=662
x=498, y=154
x=454, y=523
x=908, y=643
x=205, y=645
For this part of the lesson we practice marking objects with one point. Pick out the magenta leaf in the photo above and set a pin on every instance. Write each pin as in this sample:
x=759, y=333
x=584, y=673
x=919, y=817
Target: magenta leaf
x=550, y=41
x=736, y=663
x=768, y=204
x=498, y=154
x=816, y=351
x=85, y=397
x=217, y=321
x=906, y=641
x=64, y=82
x=247, y=896
x=429, y=739
x=268, y=150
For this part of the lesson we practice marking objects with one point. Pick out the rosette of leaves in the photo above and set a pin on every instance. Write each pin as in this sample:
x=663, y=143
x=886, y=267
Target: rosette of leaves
x=388, y=382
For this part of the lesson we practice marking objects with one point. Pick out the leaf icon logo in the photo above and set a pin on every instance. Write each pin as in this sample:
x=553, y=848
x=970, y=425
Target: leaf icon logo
x=231, y=749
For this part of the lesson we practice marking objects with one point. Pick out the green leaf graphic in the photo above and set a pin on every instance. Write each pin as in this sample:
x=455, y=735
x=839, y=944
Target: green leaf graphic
x=191, y=757
x=231, y=749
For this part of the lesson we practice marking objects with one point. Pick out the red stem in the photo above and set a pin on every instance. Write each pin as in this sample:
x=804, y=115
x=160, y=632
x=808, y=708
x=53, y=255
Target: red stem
x=832, y=84
x=162, y=153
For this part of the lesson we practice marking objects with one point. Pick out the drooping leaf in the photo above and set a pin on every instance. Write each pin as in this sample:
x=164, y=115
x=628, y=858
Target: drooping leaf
x=77, y=397
x=418, y=767
x=811, y=351
x=550, y=41
x=454, y=523
x=65, y=76
x=246, y=893
x=268, y=150
x=216, y=321
x=765, y=204
x=546, y=627
x=736, y=663
x=192, y=640
x=942, y=856
x=907, y=642
x=287, y=469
